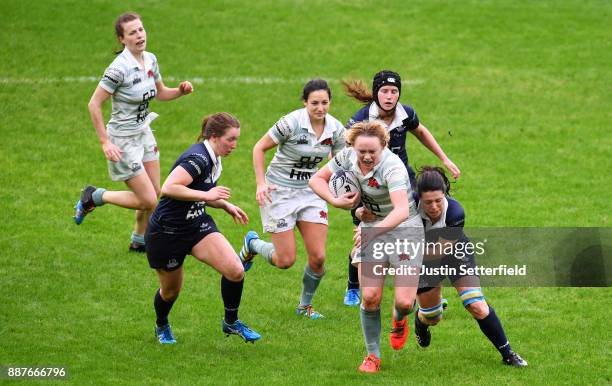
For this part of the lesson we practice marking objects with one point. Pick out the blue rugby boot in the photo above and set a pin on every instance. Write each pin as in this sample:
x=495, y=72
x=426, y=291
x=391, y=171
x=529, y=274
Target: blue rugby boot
x=308, y=312
x=240, y=329
x=352, y=297
x=246, y=252
x=85, y=205
x=164, y=334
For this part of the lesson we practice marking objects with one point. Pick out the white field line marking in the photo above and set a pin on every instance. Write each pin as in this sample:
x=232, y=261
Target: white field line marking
x=194, y=80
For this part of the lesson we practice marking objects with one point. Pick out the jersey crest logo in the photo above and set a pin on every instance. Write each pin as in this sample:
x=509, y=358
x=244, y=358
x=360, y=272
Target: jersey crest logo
x=303, y=140
x=404, y=257
x=373, y=183
x=150, y=74
x=136, y=81
x=328, y=142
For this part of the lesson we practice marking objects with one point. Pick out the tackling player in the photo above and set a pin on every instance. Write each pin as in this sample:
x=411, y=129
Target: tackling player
x=444, y=218
x=132, y=80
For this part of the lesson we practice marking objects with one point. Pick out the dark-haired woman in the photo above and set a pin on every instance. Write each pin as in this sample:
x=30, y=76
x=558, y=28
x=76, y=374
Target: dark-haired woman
x=382, y=103
x=303, y=138
x=444, y=219
x=131, y=81
x=181, y=226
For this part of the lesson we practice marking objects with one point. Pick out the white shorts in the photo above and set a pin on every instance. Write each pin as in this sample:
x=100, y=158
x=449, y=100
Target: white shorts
x=386, y=250
x=136, y=149
x=290, y=205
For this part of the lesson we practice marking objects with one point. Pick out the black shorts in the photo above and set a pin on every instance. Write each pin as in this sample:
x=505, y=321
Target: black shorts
x=434, y=270
x=167, y=246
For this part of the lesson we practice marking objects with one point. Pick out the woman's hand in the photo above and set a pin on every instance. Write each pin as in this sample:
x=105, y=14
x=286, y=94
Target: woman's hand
x=347, y=200
x=185, y=87
x=365, y=215
x=238, y=215
x=452, y=168
x=263, y=193
x=217, y=193
x=111, y=151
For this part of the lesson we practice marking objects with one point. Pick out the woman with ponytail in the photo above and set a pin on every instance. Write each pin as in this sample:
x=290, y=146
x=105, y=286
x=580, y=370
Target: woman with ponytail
x=132, y=80
x=382, y=103
x=181, y=226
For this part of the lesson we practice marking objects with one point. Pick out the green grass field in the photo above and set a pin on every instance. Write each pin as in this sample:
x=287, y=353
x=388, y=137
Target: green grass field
x=516, y=92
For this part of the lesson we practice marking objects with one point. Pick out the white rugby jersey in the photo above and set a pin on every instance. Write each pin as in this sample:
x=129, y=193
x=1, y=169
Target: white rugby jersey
x=299, y=151
x=131, y=87
x=387, y=176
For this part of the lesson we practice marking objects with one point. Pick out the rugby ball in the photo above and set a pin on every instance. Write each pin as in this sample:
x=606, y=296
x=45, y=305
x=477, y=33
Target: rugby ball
x=342, y=182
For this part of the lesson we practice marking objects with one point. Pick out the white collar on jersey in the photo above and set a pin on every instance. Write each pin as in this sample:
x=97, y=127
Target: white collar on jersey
x=217, y=167
x=304, y=121
x=355, y=166
x=398, y=118
x=132, y=62
x=441, y=223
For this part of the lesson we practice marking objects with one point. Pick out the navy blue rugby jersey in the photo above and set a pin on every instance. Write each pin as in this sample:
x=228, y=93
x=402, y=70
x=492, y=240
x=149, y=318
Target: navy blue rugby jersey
x=405, y=120
x=186, y=216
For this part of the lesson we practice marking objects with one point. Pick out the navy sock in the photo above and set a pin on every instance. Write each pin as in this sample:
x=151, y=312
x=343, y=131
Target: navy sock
x=353, y=275
x=162, y=309
x=418, y=325
x=231, y=292
x=491, y=326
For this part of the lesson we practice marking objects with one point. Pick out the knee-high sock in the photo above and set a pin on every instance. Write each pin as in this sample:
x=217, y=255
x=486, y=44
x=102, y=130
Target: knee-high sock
x=370, y=325
x=263, y=248
x=231, y=292
x=492, y=328
x=353, y=275
x=418, y=325
x=162, y=309
x=311, y=281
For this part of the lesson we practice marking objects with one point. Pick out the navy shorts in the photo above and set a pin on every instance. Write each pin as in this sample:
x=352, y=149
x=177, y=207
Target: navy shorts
x=168, y=246
x=430, y=279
